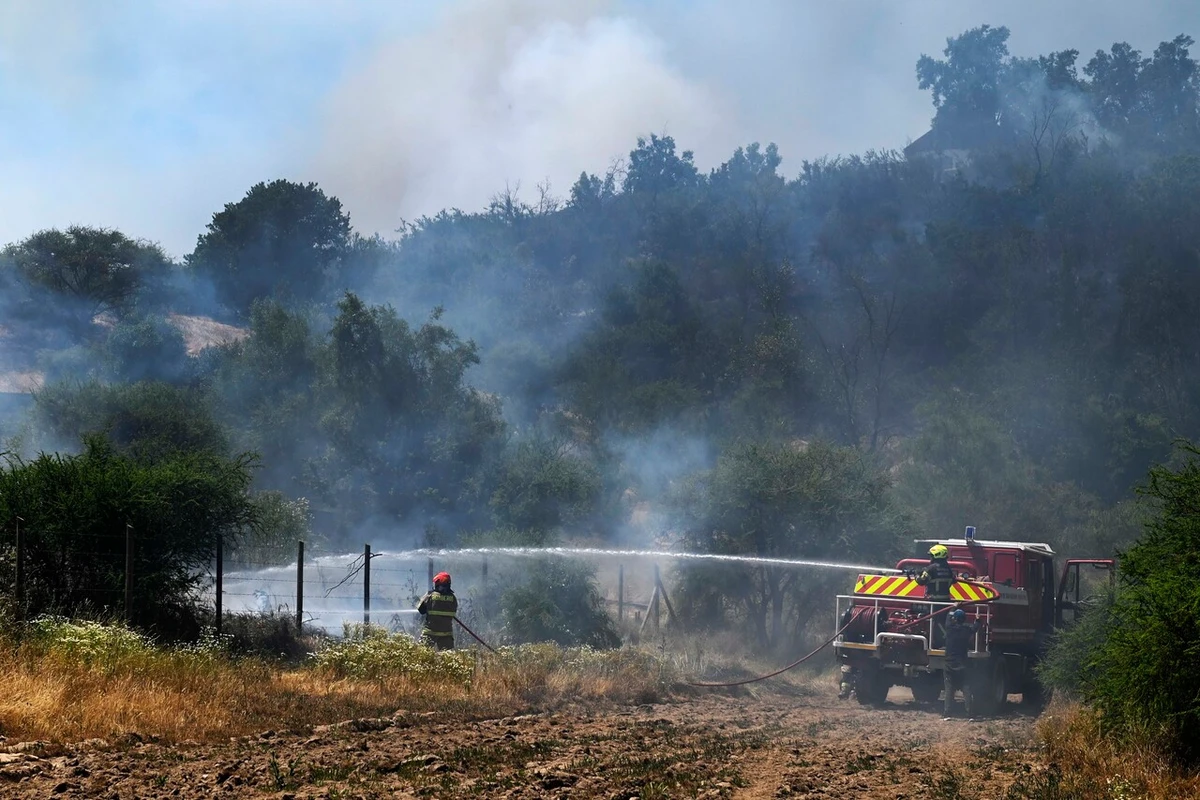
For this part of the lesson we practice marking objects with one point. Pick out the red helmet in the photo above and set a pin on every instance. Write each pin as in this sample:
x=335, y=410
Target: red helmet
x=441, y=577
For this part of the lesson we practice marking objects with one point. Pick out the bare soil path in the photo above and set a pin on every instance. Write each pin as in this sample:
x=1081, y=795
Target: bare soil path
x=761, y=745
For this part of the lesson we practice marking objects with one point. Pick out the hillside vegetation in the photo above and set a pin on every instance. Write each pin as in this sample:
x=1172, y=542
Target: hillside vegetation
x=996, y=327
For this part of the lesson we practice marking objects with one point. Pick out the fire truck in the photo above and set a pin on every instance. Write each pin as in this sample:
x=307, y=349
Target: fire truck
x=892, y=636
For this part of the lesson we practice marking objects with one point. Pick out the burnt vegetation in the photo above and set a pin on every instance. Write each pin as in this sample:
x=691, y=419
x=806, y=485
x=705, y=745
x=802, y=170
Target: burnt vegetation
x=997, y=325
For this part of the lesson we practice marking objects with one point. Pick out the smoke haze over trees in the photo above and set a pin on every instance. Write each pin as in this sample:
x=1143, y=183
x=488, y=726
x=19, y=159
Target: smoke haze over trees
x=995, y=327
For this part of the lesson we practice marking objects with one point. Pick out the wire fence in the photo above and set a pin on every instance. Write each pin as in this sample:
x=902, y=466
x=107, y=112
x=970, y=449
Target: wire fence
x=321, y=588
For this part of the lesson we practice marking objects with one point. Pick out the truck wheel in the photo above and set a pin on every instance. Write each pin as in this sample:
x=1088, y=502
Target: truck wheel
x=871, y=688
x=1034, y=695
x=926, y=692
x=986, y=691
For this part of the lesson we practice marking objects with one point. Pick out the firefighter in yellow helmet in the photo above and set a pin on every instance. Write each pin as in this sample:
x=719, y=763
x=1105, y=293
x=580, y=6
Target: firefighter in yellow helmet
x=937, y=577
x=439, y=608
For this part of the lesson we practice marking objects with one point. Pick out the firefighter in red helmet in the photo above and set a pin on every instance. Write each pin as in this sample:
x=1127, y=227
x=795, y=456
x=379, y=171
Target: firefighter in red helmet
x=439, y=608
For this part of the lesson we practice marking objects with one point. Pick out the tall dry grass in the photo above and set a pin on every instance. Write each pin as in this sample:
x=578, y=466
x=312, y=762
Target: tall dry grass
x=72, y=681
x=1085, y=765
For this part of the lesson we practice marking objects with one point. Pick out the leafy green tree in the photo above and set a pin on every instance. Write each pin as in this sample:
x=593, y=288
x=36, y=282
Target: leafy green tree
x=282, y=239
x=544, y=484
x=75, y=511
x=799, y=500
x=59, y=280
x=147, y=421
x=967, y=87
x=406, y=434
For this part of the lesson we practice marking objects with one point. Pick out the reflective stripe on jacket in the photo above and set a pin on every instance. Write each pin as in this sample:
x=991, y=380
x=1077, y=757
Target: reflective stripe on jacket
x=439, y=609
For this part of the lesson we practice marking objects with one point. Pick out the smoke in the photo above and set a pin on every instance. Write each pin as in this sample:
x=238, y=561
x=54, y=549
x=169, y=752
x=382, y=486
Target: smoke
x=503, y=94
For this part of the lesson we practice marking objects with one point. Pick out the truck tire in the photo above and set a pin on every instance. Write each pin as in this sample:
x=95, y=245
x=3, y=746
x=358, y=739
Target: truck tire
x=871, y=687
x=1034, y=695
x=926, y=692
x=986, y=691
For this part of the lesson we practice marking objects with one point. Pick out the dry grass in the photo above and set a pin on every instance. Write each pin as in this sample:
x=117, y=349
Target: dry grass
x=1084, y=765
x=67, y=689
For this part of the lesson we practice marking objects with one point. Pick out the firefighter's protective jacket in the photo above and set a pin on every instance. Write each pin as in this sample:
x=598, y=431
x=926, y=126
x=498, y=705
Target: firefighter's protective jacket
x=936, y=578
x=439, y=608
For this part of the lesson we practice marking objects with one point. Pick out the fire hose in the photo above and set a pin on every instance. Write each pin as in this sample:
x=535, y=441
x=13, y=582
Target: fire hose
x=782, y=670
x=727, y=684
x=855, y=615
x=475, y=636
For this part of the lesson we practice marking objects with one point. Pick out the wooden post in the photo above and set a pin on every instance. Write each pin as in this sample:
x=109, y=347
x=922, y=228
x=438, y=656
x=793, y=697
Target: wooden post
x=19, y=593
x=662, y=590
x=430, y=572
x=654, y=598
x=220, y=571
x=621, y=593
x=366, y=584
x=485, y=566
x=653, y=604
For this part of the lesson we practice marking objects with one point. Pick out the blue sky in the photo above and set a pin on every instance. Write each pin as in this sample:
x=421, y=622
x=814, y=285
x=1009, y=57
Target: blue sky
x=149, y=116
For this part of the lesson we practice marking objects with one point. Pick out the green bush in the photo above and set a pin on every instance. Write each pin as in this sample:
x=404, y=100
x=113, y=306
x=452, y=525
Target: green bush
x=558, y=603
x=1143, y=676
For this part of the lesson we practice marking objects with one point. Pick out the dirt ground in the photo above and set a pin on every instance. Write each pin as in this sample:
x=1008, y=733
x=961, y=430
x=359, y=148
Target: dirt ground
x=708, y=744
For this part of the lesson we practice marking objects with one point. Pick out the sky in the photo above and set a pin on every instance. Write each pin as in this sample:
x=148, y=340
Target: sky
x=150, y=116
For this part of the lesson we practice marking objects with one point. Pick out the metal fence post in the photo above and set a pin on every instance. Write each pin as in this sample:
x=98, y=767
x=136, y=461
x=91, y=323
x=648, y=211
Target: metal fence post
x=128, y=572
x=19, y=592
x=220, y=575
x=366, y=584
x=299, y=587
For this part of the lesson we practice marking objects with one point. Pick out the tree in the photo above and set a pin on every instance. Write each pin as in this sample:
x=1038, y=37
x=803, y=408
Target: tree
x=75, y=511
x=1141, y=675
x=88, y=270
x=149, y=422
x=282, y=239
x=544, y=484
x=406, y=435
x=146, y=348
x=967, y=86
x=797, y=500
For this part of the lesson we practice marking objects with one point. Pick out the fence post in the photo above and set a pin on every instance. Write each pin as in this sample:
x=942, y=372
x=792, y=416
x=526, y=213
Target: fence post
x=128, y=572
x=300, y=587
x=654, y=597
x=366, y=584
x=620, y=592
x=220, y=575
x=430, y=573
x=19, y=593
x=485, y=565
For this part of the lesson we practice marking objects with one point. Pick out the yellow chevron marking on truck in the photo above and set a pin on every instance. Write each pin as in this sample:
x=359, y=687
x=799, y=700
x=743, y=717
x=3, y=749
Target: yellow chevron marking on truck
x=885, y=585
x=900, y=586
x=972, y=592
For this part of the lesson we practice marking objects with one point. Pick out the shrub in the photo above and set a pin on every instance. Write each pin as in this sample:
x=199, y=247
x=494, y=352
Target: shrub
x=368, y=651
x=558, y=603
x=1143, y=677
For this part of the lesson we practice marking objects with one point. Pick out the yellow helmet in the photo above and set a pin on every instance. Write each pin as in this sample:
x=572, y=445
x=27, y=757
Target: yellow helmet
x=938, y=551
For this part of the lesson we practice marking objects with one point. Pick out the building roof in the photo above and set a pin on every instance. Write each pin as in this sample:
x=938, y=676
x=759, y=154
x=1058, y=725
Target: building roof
x=1035, y=547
